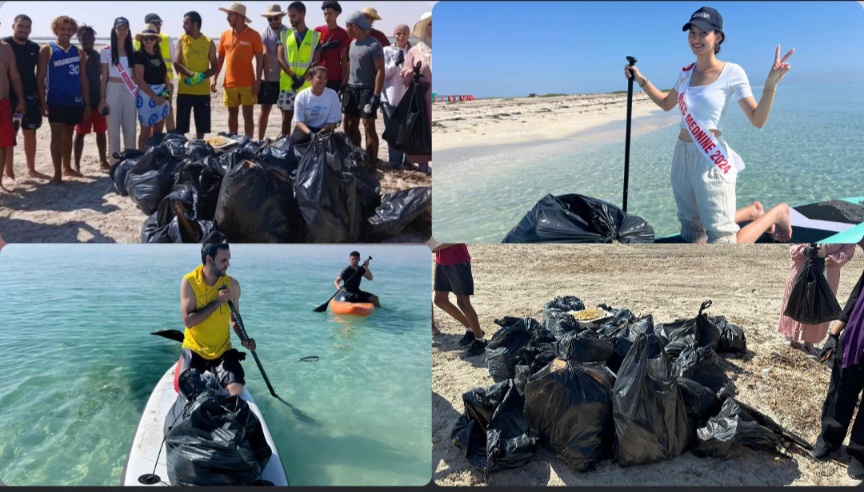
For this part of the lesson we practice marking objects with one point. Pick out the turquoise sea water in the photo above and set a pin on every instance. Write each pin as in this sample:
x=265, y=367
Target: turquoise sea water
x=809, y=151
x=78, y=363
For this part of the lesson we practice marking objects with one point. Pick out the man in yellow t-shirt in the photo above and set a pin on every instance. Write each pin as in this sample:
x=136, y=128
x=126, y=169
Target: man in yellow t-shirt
x=204, y=304
x=195, y=62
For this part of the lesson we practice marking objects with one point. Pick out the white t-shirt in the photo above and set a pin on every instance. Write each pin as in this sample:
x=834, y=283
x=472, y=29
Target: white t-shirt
x=317, y=111
x=708, y=103
x=105, y=58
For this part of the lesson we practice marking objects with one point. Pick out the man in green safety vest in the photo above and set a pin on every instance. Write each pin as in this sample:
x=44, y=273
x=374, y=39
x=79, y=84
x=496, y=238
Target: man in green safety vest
x=166, y=46
x=298, y=49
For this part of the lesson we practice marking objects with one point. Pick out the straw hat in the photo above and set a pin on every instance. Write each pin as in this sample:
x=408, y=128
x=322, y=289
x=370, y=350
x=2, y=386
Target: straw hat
x=237, y=8
x=273, y=11
x=420, y=27
x=371, y=12
x=149, y=30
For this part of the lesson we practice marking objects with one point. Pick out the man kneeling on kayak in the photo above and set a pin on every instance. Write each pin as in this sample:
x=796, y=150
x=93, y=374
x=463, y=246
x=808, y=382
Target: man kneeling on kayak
x=352, y=276
x=206, y=314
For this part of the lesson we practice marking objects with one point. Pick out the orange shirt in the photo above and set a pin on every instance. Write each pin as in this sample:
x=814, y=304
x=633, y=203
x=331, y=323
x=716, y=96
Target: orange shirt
x=240, y=50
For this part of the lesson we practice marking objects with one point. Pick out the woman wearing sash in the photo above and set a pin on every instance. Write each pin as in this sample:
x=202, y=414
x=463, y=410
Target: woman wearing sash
x=118, y=89
x=154, y=86
x=704, y=168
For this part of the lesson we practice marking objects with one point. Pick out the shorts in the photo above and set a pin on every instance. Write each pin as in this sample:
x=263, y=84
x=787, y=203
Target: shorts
x=233, y=97
x=706, y=202
x=95, y=123
x=269, y=93
x=334, y=84
x=185, y=104
x=227, y=368
x=65, y=115
x=286, y=100
x=358, y=296
x=32, y=118
x=454, y=278
x=353, y=101
x=7, y=133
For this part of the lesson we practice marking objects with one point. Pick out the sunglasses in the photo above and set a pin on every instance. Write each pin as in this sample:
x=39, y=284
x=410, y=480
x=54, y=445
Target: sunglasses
x=150, y=38
x=274, y=19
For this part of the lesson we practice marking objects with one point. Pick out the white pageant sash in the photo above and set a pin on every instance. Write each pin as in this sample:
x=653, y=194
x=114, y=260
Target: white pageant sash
x=124, y=76
x=720, y=155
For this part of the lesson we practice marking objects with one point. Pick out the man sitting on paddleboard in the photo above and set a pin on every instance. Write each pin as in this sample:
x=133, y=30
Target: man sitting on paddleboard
x=206, y=314
x=352, y=276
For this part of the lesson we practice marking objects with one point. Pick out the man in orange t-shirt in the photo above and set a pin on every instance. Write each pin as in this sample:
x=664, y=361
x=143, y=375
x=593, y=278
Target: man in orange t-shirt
x=237, y=48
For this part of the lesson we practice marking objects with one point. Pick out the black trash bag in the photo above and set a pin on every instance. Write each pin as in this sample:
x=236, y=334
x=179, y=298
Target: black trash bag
x=334, y=189
x=732, y=339
x=623, y=334
x=700, y=330
x=256, y=205
x=703, y=365
x=700, y=402
x=205, y=177
x=523, y=372
x=568, y=407
x=555, y=317
x=279, y=153
x=212, y=438
x=198, y=150
x=492, y=431
x=152, y=177
x=650, y=417
x=542, y=349
x=811, y=300
x=176, y=222
x=584, y=346
x=401, y=211
x=734, y=425
x=409, y=129
x=673, y=349
x=579, y=219
x=119, y=170
x=506, y=346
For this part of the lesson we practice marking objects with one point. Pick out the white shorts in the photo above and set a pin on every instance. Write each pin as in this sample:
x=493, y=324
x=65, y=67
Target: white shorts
x=286, y=100
x=706, y=202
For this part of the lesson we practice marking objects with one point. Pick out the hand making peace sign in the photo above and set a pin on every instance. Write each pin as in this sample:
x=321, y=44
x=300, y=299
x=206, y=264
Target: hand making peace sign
x=779, y=69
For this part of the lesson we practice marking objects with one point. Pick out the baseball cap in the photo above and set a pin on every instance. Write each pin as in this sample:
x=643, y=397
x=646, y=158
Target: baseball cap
x=121, y=21
x=706, y=19
x=151, y=18
x=359, y=20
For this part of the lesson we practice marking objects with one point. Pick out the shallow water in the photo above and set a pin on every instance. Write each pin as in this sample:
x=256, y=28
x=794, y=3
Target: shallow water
x=78, y=363
x=807, y=152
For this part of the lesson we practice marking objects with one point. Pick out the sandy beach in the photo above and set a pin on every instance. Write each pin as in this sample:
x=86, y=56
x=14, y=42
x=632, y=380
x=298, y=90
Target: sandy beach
x=525, y=119
x=746, y=285
x=89, y=210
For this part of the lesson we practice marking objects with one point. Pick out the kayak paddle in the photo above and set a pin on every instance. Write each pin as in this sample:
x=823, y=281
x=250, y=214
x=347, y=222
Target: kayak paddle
x=244, y=337
x=323, y=307
x=631, y=61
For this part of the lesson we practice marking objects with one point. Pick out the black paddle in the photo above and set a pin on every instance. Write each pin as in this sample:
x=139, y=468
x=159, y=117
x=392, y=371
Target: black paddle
x=244, y=337
x=631, y=61
x=323, y=307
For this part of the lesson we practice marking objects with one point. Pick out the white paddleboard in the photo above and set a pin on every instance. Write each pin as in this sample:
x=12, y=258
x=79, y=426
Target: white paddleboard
x=148, y=438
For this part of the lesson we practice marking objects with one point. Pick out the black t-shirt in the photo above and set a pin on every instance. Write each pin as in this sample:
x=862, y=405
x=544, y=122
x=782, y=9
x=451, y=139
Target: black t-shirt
x=26, y=57
x=154, y=66
x=352, y=284
x=94, y=72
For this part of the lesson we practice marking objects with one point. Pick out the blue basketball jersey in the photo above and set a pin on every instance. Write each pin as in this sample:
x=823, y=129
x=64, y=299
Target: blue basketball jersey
x=64, y=76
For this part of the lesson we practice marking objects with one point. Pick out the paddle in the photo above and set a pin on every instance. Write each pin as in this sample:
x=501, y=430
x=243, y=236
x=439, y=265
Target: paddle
x=631, y=61
x=244, y=337
x=323, y=307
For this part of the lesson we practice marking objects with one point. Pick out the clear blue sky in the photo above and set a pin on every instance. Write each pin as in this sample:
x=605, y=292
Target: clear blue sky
x=101, y=15
x=495, y=49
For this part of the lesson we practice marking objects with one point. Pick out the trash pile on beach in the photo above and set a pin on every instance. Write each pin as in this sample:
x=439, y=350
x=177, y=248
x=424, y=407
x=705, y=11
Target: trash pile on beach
x=601, y=383
x=232, y=188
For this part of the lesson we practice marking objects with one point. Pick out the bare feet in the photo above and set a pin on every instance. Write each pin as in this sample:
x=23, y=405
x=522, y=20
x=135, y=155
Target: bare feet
x=105, y=167
x=56, y=180
x=783, y=220
x=36, y=174
x=7, y=183
x=71, y=173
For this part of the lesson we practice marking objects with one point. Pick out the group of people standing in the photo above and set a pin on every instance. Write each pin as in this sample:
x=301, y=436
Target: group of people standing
x=320, y=78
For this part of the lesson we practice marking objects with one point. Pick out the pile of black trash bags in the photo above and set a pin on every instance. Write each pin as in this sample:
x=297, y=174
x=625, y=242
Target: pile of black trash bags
x=266, y=192
x=620, y=388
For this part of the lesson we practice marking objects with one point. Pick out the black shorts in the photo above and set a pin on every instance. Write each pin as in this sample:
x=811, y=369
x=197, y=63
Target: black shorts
x=32, y=118
x=334, y=84
x=357, y=296
x=353, y=101
x=454, y=278
x=227, y=368
x=65, y=115
x=268, y=94
x=185, y=104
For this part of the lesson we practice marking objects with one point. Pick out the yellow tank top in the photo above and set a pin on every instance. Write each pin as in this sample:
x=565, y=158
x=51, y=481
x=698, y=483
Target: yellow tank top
x=212, y=337
x=196, y=57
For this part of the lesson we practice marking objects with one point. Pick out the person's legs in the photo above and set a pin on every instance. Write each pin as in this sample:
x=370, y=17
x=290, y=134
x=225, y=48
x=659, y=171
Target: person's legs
x=351, y=125
x=374, y=300
x=371, y=138
x=201, y=105
x=685, y=198
x=7, y=139
x=129, y=120
x=263, y=119
x=715, y=200
x=464, y=303
x=102, y=147
x=231, y=100
x=30, y=154
x=249, y=120
x=843, y=390
x=68, y=137
x=114, y=118
x=285, y=103
x=78, y=149
x=146, y=133
x=778, y=216
x=442, y=300
x=6, y=164
x=230, y=372
x=57, y=150
x=183, y=115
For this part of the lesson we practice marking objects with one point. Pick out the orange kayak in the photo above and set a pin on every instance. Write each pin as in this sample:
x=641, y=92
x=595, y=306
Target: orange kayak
x=352, y=308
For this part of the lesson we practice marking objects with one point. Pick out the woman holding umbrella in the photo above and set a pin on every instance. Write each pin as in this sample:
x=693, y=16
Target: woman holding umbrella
x=704, y=168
